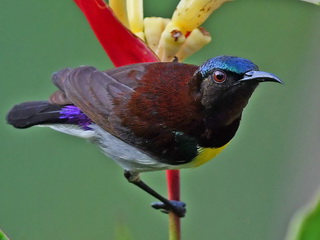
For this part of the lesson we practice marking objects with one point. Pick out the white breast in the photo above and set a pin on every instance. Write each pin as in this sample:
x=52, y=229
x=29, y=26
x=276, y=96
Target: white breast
x=127, y=156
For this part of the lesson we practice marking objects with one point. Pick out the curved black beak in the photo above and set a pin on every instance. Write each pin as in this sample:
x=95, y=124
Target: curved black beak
x=260, y=76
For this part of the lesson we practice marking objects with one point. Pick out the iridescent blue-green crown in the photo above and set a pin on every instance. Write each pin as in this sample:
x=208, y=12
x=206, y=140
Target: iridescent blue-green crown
x=227, y=63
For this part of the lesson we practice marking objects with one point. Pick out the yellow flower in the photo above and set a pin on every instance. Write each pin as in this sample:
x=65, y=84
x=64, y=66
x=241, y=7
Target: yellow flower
x=180, y=36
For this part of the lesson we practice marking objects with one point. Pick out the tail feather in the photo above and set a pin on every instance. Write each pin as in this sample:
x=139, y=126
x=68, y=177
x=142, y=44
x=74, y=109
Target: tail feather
x=28, y=114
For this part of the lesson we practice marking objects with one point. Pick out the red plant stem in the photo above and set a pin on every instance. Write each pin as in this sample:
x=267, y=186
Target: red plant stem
x=173, y=182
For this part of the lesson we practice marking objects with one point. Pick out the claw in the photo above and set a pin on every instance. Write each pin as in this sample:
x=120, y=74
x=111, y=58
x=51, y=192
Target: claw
x=179, y=208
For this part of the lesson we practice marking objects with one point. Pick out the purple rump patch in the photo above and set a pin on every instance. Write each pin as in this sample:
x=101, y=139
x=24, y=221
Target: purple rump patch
x=75, y=116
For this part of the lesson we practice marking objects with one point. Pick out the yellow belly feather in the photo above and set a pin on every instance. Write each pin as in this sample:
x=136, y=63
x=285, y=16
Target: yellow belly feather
x=205, y=155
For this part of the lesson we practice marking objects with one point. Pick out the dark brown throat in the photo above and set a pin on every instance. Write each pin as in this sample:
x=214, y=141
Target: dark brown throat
x=219, y=136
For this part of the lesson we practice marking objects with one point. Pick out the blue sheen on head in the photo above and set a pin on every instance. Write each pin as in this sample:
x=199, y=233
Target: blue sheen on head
x=227, y=63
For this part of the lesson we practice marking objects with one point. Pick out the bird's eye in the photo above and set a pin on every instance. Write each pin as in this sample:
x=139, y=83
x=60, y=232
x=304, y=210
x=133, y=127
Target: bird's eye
x=219, y=76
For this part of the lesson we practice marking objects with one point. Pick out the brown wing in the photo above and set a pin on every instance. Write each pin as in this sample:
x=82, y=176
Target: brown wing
x=129, y=75
x=58, y=78
x=94, y=91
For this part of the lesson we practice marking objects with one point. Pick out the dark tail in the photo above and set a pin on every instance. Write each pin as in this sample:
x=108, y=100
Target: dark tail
x=28, y=114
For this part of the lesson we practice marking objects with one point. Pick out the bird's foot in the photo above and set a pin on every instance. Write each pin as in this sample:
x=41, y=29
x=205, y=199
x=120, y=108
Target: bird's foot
x=179, y=208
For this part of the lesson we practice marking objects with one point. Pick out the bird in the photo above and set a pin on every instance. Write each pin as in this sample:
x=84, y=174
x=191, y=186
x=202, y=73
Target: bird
x=150, y=116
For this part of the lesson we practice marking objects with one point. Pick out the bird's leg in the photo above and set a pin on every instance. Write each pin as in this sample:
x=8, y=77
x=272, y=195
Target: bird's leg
x=179, y=208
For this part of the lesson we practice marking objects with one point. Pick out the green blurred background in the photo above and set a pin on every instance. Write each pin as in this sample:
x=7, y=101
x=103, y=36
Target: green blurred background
x=55, y=186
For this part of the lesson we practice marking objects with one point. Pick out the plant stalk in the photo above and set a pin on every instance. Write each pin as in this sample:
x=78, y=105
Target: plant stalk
x=173, y=182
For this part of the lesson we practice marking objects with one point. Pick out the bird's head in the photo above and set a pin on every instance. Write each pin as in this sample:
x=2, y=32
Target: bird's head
x=224, y=85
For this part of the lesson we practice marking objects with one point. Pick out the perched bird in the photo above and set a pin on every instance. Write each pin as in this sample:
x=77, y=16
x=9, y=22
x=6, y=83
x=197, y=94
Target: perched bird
x=150, y=116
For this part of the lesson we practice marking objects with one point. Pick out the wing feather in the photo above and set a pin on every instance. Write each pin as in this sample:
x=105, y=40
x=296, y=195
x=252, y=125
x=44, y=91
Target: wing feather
x=93, y=91
x=129, y=75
